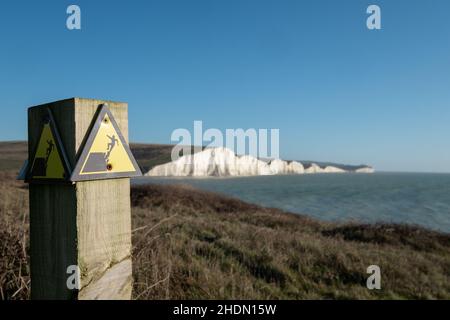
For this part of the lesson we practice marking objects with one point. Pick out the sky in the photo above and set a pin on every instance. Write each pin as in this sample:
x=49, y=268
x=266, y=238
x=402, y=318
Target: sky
x=336, y=90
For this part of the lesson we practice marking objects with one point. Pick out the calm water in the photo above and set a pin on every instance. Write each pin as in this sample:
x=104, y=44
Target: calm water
x=413, y=198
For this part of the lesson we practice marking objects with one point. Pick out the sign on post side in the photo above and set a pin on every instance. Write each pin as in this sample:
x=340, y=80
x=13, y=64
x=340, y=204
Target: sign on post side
x=105, y=154
x=49, y=162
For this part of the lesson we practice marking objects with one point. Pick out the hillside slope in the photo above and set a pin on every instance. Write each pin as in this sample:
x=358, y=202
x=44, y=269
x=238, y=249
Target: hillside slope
x=223, y=162
x=14, y=153
x=198, y=245
x=191, y=244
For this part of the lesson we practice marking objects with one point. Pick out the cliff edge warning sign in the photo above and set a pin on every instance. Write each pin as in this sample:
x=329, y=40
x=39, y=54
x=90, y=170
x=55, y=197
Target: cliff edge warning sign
x=105, y=154
x=49, y=162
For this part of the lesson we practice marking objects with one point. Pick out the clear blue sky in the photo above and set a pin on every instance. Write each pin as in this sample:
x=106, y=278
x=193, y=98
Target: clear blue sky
x=337, y=91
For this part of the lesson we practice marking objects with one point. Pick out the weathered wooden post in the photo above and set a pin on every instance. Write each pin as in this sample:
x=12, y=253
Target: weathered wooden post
x=79, y=166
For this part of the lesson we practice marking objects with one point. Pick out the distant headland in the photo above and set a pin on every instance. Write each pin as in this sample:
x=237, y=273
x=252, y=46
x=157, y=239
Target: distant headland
x=223, y=162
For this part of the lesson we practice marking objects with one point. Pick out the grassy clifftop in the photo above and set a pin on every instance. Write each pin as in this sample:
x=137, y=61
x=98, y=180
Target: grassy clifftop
x=14, y=153
x=193, y=244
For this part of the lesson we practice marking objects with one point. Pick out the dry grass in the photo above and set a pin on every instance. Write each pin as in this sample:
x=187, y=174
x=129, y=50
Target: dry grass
x=200, y=245
x=13, y=154
x=14, y=260
x=190, y=244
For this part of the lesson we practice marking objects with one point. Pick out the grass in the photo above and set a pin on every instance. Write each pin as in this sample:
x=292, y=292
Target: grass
x=191, y=244
x=12, y=154
x=201, y=245
x=150, y=155
x=14, y=240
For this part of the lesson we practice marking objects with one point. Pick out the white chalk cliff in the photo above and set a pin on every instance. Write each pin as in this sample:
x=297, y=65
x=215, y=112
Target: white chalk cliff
x=314, y=168
x=365, y=170
x=222, y=162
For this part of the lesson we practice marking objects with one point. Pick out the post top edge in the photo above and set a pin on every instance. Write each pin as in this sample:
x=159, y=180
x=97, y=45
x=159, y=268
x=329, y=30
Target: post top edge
x=77, y=99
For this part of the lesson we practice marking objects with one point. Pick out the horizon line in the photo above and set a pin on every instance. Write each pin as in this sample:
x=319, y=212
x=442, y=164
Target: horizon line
x=376, y=170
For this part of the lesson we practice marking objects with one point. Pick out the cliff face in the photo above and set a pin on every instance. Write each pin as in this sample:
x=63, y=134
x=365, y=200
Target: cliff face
x=219, y=162
x=222, y=162
x=365, y=170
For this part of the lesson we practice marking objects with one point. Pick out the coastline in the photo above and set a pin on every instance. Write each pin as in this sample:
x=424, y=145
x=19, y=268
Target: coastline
x=411, y=198
x=197, y=244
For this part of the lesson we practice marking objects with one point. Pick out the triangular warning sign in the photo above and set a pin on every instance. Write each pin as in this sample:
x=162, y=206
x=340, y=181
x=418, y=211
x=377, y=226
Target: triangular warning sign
x=49, y=162
x=105, y=154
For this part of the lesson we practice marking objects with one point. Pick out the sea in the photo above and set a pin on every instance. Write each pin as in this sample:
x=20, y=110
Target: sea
x=410, y=198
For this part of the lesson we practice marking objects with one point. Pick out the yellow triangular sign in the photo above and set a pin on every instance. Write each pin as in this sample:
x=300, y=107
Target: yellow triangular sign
x=105, y=154
x=49, y=161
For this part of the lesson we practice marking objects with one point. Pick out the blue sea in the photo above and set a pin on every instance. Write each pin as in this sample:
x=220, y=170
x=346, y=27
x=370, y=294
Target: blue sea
x=412, y=198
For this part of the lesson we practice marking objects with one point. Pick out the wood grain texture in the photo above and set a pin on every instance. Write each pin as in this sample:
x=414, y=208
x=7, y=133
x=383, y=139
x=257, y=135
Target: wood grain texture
x=53, y=214
x=87, y=223
x=114, y=284
x=52, y=240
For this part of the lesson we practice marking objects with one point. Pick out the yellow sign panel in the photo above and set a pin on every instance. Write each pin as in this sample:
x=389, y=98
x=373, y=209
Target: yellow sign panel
x=48, y=162
x=106, y=153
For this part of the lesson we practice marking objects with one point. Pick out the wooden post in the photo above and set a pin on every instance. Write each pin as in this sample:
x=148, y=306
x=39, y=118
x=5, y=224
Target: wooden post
x=85, y=224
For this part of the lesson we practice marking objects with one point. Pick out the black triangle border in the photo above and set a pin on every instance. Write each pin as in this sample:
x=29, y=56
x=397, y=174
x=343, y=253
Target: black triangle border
x=75, y=177
x=61, y=151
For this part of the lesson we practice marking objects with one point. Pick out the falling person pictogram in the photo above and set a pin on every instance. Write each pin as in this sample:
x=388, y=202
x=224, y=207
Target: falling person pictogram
x=110, y=146
x=106, y=153
x=47, y=162
x=49, y=150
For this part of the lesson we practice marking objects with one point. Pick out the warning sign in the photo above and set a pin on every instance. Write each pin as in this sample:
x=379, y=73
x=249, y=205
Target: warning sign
x=105, y=154
x=49, y=160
